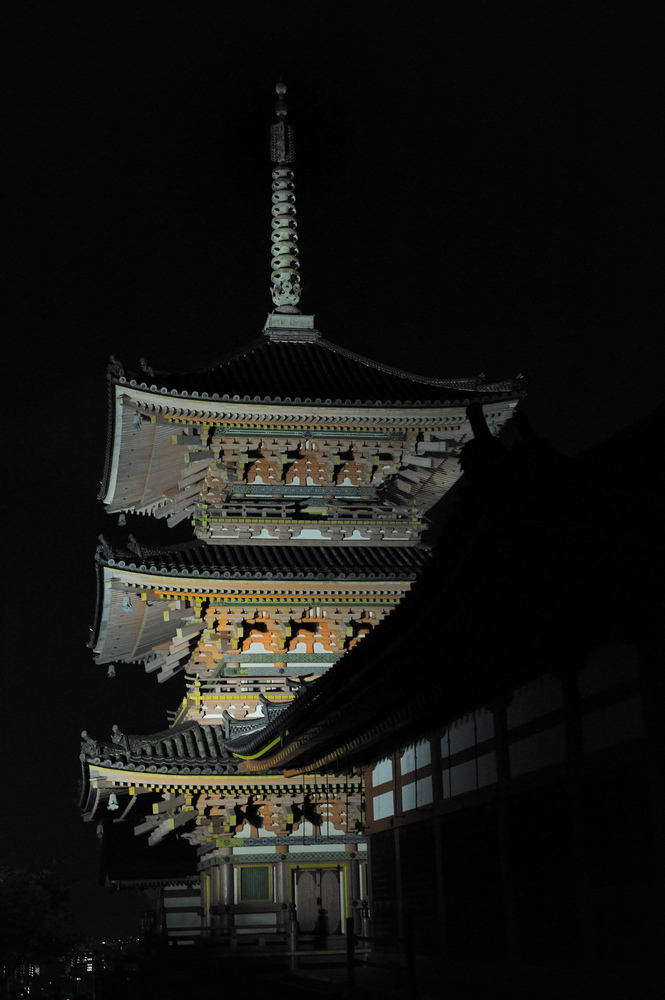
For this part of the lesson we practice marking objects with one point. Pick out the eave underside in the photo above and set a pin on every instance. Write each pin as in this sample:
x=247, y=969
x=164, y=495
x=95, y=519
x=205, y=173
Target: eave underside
x=170, y=458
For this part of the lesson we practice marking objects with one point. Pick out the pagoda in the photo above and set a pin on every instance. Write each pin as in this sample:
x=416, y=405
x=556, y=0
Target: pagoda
x=306, y=471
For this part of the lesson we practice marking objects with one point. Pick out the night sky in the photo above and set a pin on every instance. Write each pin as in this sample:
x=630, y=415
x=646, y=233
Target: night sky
x=477, y=190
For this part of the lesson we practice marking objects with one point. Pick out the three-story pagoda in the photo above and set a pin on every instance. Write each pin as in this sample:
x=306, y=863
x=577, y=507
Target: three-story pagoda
x=306, y=471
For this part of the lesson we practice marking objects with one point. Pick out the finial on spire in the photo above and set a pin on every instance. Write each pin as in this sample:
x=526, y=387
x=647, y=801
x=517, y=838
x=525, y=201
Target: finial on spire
x=285, y=264
x=280, y=106
x=282, y=148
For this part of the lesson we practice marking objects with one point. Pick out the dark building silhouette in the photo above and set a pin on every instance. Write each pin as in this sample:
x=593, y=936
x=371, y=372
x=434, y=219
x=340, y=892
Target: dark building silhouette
x=508, y=720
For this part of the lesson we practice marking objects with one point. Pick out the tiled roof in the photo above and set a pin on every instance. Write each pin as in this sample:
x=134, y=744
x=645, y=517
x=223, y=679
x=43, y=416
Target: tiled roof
x=188, y=748
x=317, y=371
x=269, y=562
x=134, y=630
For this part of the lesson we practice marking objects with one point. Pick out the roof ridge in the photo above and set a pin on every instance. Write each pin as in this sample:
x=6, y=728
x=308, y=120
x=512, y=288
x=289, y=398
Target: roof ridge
x=267, y=337
x=281, y=558
x=285, y=367
x=148, y=549
x=230, y=355
x=163, y=734
x=470, y=382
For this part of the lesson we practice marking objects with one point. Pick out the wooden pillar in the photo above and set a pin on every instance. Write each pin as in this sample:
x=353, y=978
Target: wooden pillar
x=399, y=903
x=437, y=797
x=351, y=874
x=583, y=918
x=503, y=831
x=350, y=953
x=206, y=901
x=293, y=937
x=226, y=897
x=281, y=877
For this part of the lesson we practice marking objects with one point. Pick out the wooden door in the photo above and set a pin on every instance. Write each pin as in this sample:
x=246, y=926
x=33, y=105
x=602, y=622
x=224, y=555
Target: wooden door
x=317, y=893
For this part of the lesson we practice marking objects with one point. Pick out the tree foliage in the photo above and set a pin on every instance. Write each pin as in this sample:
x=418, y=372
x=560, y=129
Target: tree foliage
x=32, y=909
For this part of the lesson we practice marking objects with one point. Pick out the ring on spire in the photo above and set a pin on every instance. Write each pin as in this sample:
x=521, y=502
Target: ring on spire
x=285, y=264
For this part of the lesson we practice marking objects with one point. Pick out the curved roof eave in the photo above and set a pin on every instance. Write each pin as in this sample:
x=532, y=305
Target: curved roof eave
x=310, y=372
x=203, y=564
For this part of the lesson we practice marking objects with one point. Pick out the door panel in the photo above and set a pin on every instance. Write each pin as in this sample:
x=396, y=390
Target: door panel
x=317, y=897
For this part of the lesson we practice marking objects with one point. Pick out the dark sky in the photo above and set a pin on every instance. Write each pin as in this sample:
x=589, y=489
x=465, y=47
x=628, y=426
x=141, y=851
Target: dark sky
x=477, y=190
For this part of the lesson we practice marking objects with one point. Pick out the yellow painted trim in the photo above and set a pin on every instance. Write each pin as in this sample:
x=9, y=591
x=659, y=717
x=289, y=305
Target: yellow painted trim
x=260, y=753
x=137, y=782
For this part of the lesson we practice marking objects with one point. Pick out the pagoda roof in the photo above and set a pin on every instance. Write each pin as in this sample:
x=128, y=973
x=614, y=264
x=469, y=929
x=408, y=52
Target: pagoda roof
x=131, y=630
x=303, y=367
x=183, y=749
x=464, y=637
x=278, y=562
x=186, y=748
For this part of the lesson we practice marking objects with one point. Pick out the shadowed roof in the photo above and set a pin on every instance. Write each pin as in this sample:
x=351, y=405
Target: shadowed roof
x=310, y=369
x=273, y=562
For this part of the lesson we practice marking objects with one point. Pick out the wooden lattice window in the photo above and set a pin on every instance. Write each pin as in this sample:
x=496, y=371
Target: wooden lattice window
x=255, y=882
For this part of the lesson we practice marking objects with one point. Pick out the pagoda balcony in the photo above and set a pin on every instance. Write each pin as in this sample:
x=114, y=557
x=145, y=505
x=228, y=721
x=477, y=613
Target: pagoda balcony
x=315, y=512
x=229, y=530
x=311, y=521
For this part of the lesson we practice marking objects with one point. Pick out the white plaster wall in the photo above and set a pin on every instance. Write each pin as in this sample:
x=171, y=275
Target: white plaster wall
x=383, y=771
x=417, y=793
x=383, y=805
x=416, y=755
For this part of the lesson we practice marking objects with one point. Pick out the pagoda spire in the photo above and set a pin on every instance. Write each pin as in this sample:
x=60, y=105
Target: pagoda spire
x=285, y=263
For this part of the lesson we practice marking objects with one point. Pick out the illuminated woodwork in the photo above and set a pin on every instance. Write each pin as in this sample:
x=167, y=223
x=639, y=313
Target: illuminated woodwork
x=306, y=472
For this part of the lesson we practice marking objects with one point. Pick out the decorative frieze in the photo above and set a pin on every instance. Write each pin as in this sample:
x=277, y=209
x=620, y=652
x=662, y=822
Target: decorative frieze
x=177, y=462
x=271, y=629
